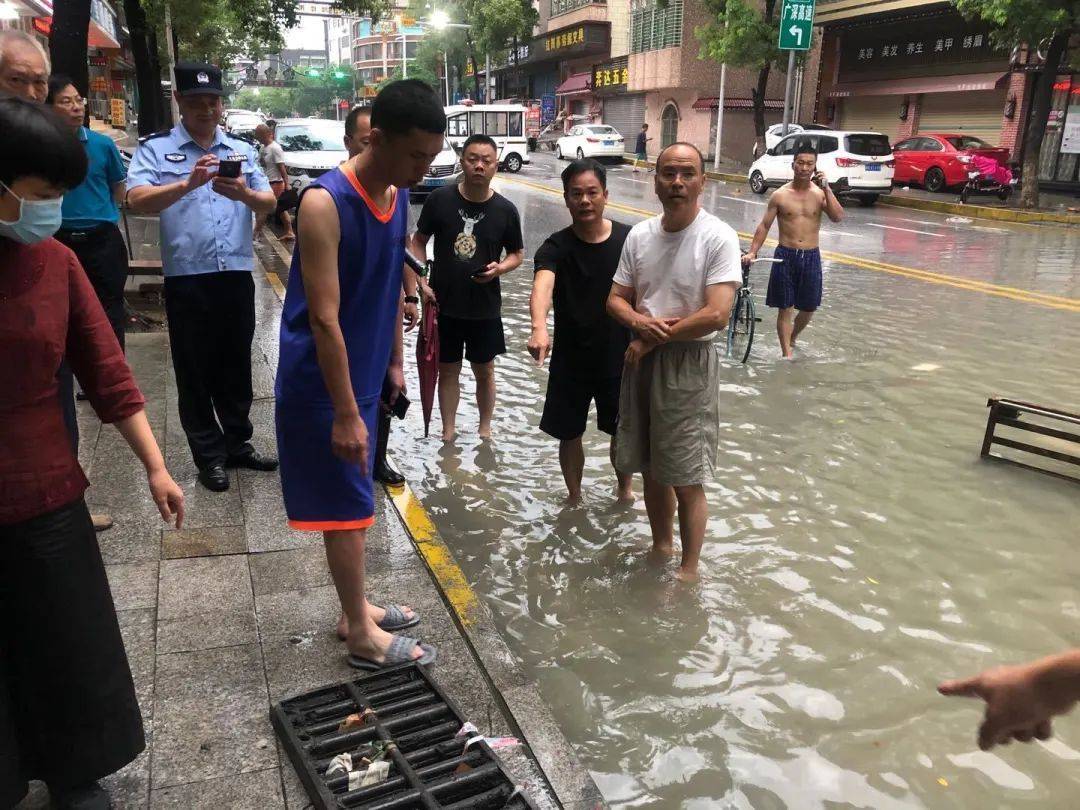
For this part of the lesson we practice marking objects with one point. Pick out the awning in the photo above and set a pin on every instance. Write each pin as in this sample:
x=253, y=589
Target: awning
x=923, y=84
x=711, y=103
x=577, y=84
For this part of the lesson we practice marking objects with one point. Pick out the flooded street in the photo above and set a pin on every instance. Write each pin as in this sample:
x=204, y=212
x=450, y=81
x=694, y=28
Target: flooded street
x=858, y=550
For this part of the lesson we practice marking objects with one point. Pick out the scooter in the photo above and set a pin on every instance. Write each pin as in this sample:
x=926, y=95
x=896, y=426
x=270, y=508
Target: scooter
x=988, y=177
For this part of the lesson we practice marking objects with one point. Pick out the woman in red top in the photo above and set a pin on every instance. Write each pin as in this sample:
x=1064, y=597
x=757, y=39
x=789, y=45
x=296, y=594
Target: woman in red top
x=68, y=713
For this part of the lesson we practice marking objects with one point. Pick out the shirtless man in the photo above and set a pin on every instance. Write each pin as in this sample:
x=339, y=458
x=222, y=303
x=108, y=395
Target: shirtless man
x=795, y=283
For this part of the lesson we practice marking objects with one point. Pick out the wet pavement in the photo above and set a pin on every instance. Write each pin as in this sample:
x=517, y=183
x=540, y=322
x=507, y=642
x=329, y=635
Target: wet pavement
x=858, y=549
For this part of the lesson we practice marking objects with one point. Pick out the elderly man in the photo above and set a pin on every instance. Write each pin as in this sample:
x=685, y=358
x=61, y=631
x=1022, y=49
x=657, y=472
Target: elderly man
x=24, y=66
x=205, y=185
x=674, y=287
x=272, y=159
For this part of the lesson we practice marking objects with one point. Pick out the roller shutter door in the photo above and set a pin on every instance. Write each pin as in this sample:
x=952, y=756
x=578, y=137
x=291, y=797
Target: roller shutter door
x=872, y=114
x=975, y=113
x=626, y=114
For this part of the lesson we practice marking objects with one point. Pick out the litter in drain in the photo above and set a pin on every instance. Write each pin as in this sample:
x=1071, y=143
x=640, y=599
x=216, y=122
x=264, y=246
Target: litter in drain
x=400, y=717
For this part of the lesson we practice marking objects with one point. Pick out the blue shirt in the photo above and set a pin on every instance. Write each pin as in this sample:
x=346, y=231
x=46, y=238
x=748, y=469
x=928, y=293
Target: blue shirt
x=202, y=232
x=91, y=202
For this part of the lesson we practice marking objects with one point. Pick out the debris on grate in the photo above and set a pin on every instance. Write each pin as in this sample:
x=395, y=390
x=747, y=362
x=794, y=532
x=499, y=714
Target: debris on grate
x=392, y=740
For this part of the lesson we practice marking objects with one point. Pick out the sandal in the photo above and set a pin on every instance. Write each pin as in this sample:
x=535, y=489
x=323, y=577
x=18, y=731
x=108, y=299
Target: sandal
x=394, y=621
x=399, y=652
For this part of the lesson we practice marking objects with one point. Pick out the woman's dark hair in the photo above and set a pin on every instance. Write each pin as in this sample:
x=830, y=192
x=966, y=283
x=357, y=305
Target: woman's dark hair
x=34, y=142
x=57, y=82
x=584, y=166
x=405, y=105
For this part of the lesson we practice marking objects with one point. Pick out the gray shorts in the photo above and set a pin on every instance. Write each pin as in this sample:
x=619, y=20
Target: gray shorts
x=669, y=414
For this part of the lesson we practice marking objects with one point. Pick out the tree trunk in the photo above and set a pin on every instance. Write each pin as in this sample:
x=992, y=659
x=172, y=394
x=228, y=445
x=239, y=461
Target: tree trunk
x=144, y=51
x=1042, y=94
x=758, y=95
x=475, y=67
x=68, y=42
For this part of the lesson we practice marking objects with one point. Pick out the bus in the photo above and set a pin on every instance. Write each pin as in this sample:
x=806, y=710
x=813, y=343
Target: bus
x=504, y=123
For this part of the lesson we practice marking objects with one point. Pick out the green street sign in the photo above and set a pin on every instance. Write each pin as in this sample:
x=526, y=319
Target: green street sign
x=796, y=22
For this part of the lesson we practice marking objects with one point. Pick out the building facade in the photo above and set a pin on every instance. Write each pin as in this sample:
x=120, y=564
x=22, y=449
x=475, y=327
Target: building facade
x=910, y=66
x=380, y=49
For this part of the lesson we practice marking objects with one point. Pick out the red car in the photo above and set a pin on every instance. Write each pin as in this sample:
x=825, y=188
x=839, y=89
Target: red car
x=938, y=160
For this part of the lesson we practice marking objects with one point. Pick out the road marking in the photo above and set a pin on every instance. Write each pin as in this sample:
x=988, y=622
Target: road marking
x=741, y=199
x=831, y=232
x=917, y=221
x=999, y=290
x=905, y=230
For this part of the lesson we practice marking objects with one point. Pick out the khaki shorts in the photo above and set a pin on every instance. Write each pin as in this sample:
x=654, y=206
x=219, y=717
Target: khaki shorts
x=669, y=414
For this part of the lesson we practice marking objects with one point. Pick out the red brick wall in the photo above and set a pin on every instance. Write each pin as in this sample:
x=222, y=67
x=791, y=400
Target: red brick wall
x=911, y=125
x=1012, y=135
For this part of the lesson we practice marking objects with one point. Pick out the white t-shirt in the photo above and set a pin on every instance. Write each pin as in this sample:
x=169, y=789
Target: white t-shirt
x=669, y=271
x=270, y=156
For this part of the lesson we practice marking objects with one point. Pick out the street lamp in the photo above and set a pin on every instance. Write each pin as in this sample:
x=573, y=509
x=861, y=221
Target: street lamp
x=440, y=21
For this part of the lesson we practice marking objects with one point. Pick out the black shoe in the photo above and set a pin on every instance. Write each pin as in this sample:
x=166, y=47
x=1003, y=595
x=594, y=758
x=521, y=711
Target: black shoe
x=214, y=478
x=86, y=797
x=385, y=474
x=253, y=461
x=80, y=396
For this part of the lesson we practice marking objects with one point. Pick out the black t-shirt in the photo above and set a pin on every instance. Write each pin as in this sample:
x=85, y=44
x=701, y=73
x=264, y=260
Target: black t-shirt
x=640, y=147
x=468, y=236
x=588, y=342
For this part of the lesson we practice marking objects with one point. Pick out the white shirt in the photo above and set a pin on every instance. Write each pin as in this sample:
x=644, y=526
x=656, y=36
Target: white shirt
x=270, y=156
x=669, y=270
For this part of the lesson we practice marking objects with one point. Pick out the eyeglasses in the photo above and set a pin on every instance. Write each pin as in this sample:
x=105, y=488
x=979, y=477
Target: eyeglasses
x=67, y=101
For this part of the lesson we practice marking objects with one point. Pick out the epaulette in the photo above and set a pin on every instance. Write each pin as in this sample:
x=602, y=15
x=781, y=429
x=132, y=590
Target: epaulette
x=153, y=135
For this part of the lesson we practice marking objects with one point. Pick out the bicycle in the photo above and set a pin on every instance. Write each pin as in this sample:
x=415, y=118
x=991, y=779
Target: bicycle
x=743, y=318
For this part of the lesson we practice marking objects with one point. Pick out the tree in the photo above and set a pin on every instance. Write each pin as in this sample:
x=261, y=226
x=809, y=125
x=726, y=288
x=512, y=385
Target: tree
x=1045, y=25
x=745, y=34
x=68, y=42
x=276, y=102
x=496, y=25
x=220, y=32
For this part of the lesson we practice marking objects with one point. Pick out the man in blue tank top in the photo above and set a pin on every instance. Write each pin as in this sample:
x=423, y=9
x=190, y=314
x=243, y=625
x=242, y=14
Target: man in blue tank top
x=340, y=338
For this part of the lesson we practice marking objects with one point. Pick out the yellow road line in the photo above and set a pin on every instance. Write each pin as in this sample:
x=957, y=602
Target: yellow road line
x=972, y=285
x=437, y=555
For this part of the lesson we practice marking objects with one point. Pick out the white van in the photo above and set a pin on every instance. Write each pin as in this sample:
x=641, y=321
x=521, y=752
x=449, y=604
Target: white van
x=504, y=123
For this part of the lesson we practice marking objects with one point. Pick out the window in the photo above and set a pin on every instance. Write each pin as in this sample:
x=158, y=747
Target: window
x=653, y=28
x=868, y=145
x=827, y=145
x=514, y=130
x=495, y=124
x=457, y=125
x=410, y=49
x=909, y=145
x=669, y=126
x=312, y=137
x=929, y=145
x=968, y=142
x=786, y=146
x=476, y=122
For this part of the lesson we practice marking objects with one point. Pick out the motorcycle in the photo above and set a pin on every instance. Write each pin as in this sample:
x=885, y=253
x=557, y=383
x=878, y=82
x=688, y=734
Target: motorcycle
x=987, y=176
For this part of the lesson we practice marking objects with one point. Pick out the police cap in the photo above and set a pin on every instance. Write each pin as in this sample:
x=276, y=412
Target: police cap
x=198, y=77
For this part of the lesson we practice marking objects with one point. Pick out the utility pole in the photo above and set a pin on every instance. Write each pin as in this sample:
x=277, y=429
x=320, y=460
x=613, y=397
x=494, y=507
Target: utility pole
x=487, y=78
x=787, y=92
x=171, y=50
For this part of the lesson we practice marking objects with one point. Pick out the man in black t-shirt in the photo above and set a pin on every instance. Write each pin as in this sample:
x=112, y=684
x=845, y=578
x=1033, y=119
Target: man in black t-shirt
x=574, y=268
x=472, y=226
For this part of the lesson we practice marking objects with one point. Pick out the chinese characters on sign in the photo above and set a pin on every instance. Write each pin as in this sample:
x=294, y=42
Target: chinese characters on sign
x=609, y=76
x=802, y=13
x=565, y=40
x=563, y=6
x=913, y=46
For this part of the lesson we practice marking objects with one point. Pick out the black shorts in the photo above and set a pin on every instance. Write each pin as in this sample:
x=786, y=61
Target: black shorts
x=482, y=340
x=566, y=407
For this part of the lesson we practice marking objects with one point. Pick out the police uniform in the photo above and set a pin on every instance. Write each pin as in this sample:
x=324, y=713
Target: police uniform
x=207, y=257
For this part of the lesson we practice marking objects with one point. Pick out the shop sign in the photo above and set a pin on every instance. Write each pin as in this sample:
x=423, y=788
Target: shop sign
x=98, y=84
x=547, y=109
x=565, y=39
x=1070, y=136
x=118, y=112
x=611, y=76
x=870, y=53
x=563, y=6
x=97, y=61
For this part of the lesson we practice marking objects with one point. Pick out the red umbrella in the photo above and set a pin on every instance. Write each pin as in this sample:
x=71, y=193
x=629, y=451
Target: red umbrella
x=427, y=360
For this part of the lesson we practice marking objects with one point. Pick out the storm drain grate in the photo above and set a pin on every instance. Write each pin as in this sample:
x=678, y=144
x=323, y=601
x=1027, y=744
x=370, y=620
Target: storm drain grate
x=397, y=716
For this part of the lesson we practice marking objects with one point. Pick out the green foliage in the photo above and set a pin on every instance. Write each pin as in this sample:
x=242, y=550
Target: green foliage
x=276, y=102
x=748, y=39
x=496, y=23
x=1022, y=20
x=219, y=33
x=375, y=9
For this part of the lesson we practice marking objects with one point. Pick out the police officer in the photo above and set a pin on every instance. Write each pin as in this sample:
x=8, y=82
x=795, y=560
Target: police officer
x=207, y=255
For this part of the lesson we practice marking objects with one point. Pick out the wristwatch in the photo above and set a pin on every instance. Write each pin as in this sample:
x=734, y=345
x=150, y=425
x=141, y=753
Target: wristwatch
x=412, y=299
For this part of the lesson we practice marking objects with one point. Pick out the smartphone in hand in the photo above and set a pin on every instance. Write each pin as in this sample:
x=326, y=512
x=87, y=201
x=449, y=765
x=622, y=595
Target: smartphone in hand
x=228, y=168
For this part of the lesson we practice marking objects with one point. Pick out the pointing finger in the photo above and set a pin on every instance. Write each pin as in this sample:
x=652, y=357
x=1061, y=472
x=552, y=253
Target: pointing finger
x=962, y=687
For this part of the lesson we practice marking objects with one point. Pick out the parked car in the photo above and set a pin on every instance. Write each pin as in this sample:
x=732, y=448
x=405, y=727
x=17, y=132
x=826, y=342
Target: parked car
x=445, y=170
x=241, y=121
x=774, y=133
x=312, y=146
x=939, y=160
x=856, y=164
x=592, y=141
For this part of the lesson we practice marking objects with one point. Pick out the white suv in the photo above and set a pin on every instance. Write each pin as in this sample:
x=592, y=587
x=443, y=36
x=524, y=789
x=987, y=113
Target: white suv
x=857, y=164
x=313, y=146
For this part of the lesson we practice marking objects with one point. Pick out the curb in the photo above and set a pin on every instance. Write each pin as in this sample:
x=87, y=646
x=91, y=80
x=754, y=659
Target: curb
x=940, y=206
x=519, y=697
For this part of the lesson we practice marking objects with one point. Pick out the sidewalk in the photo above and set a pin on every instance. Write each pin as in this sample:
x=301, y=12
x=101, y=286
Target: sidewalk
x=236, y=611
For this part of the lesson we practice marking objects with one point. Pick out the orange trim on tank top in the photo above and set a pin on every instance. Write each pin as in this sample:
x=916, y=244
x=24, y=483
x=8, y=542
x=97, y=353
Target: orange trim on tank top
x=382, y=216
x=331, y=525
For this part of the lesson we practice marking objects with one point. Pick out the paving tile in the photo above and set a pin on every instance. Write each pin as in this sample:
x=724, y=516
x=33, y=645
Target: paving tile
x=296, y=797
x=205, y=602
x=304, y=661
x=414, y=588
x=133, y=585
x=133, y=538
x=259, y=790
x=288, y=613
x=205, y=542
x=210, y=716
x=129, y=787
x=277, y=571
x=456, y=672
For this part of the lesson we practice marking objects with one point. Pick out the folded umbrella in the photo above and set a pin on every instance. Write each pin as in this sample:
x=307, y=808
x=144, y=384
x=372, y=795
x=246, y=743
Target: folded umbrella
x=427, y=360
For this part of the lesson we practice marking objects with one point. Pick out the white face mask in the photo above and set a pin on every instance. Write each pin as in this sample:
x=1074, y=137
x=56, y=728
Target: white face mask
x=37, y=220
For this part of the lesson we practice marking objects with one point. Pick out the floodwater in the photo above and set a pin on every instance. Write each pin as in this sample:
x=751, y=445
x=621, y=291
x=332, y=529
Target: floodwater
x=858, y=549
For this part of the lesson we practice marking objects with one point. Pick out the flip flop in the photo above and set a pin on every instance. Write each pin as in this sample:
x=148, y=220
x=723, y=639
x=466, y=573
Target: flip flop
x=394, y=620
x=400, y=652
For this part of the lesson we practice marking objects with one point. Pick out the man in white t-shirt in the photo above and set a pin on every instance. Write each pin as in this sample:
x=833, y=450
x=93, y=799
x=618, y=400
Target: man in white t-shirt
x=674, y=287
x=272, y=158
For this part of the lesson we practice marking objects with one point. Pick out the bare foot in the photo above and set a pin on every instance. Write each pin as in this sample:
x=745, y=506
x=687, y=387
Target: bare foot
x=625, y=495
x=484, y=432
x=377, y=614
x=374, y=644
x=572, y=499
x=686, y=576
x=448, y=435
x=659, y=554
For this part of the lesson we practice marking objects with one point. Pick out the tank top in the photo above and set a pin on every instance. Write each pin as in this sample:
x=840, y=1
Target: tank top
x=370, y=258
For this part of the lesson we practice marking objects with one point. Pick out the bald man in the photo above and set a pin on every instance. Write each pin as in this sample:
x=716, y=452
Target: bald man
x=272, y=158
x=24, y=66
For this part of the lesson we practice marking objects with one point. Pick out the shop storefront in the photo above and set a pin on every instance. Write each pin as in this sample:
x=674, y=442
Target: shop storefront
x=618, y=108
x=1059, y=159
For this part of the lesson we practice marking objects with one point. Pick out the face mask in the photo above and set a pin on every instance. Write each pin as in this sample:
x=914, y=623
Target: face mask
x=37, y=221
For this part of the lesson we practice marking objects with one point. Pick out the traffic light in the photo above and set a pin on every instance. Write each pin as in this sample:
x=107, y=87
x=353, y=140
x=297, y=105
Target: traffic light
x=339, y=74
x=313, y=72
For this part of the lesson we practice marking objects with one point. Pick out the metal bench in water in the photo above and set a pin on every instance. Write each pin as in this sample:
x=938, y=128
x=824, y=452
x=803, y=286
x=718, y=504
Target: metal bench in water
x=1011, y=413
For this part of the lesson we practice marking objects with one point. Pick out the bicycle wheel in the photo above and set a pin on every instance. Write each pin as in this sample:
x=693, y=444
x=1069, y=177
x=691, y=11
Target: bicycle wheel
x=741, y=328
